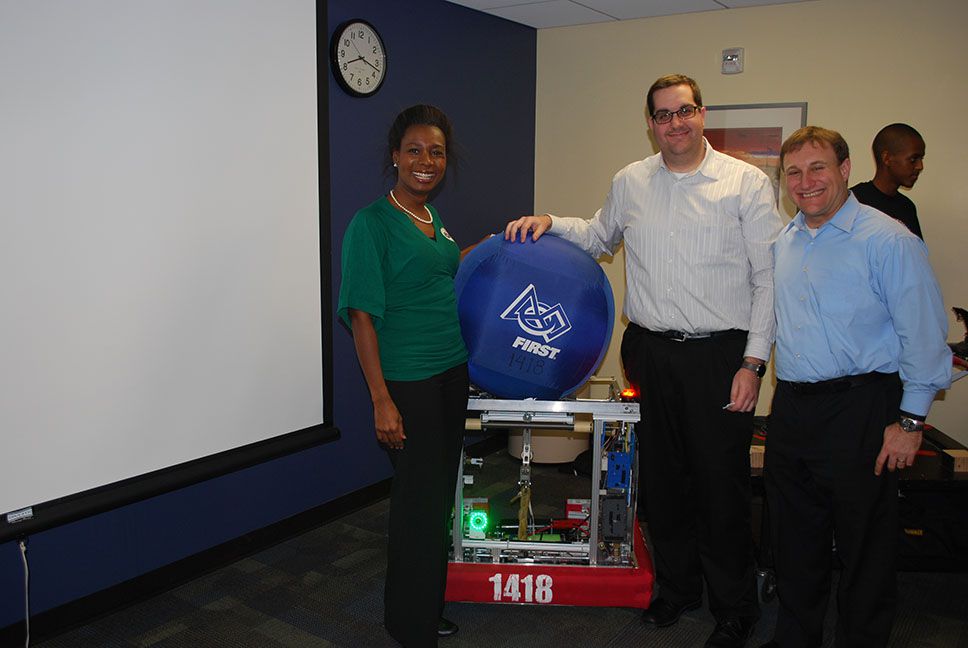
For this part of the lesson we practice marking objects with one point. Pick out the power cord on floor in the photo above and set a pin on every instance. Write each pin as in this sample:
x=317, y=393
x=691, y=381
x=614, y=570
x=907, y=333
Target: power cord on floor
x=23, y=555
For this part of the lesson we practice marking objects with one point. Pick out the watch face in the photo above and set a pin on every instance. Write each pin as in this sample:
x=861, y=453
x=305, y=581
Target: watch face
x=911, y=425
x=358, y=59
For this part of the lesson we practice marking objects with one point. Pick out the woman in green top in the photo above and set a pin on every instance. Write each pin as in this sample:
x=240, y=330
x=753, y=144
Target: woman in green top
x=397, y=296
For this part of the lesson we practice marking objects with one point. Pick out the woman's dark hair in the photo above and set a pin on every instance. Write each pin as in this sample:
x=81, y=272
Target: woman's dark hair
x=420, y=115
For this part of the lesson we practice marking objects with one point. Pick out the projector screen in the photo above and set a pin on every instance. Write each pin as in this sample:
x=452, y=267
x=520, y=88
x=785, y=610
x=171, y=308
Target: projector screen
x=159, y=246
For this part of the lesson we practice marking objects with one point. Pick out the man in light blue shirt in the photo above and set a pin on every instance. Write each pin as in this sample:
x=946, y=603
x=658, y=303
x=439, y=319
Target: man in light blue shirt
x=860, y=355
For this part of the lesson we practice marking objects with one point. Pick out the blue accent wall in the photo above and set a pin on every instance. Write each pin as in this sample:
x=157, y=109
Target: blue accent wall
x=481, y=71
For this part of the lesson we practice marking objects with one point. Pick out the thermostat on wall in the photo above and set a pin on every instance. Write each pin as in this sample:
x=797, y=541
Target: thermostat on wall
x=733, y=60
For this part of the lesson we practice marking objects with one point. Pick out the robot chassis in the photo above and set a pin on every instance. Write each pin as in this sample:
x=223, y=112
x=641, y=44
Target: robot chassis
x=595, y=556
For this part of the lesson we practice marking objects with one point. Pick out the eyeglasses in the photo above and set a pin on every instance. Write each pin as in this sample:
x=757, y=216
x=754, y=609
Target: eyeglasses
x=665, y=116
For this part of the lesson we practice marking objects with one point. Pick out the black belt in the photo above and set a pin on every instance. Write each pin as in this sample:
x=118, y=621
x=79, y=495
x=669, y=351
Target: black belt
x=835, y=385
x=682, y=336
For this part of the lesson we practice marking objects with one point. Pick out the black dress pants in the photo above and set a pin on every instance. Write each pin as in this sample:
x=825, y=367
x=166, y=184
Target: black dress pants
x=821, y=489
x=695, y=468
x=421, y=500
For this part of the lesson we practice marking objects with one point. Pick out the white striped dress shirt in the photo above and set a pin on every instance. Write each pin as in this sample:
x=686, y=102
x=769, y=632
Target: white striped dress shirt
x=698, y=248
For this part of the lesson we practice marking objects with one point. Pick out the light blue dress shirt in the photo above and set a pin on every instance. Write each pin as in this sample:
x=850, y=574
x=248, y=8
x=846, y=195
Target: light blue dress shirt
x=858, y=297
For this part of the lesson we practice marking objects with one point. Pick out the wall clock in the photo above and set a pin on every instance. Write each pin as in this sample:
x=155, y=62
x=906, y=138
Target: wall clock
x=358, y=58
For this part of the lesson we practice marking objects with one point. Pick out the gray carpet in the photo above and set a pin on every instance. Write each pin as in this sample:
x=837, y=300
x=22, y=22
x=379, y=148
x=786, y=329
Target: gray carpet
x=325, y=588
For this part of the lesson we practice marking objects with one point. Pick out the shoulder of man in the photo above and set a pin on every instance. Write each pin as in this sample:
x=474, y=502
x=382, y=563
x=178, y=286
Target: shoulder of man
x=735, y=165
x=904, y=199
x=862, y=187
x=639, y=168
x=874, y=222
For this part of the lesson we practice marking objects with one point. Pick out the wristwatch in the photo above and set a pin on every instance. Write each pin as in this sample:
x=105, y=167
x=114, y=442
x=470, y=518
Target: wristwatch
x=758, y=369
x=909, y=424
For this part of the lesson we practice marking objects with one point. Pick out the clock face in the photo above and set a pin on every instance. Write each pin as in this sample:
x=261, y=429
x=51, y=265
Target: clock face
x=358, y=58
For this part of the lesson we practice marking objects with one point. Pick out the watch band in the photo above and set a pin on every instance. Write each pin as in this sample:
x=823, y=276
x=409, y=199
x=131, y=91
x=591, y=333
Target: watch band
x=916, y=417
x=758, y=369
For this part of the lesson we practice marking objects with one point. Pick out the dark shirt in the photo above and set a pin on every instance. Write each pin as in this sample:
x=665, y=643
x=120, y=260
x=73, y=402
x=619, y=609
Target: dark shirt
x=898, y=206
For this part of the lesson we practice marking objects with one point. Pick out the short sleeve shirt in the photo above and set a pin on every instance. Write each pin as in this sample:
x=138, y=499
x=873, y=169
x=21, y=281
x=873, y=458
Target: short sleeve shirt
x=405, y=281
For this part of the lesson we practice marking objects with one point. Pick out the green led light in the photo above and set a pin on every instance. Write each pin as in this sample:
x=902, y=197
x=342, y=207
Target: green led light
x=477, y=520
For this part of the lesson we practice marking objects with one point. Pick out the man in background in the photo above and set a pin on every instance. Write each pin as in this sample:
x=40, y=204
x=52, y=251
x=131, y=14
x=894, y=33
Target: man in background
x=899, y=157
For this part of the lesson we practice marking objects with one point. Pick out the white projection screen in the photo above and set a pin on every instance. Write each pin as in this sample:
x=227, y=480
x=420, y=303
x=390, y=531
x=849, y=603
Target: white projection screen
x=159, y=236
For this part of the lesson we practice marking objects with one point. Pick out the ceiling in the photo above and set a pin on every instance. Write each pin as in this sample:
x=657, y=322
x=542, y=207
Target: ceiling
x=561, y=13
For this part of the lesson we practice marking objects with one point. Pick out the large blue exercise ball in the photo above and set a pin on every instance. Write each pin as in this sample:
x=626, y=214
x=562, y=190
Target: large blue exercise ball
x=536, y=316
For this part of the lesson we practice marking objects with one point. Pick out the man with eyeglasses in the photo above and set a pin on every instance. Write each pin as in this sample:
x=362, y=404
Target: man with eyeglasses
x=698, y=228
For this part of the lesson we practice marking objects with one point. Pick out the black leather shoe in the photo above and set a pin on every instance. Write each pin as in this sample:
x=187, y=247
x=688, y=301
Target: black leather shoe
x=445, y=627
x=662, y=613
x=731, y=632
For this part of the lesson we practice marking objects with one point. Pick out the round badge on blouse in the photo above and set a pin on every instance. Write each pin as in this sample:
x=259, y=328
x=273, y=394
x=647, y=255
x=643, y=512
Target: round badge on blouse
x=446, y=235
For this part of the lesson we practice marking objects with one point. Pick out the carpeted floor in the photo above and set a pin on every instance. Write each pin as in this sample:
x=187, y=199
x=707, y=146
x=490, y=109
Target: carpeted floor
x=325, y=588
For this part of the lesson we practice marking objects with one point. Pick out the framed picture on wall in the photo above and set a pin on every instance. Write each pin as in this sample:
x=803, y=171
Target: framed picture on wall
x=754, y=133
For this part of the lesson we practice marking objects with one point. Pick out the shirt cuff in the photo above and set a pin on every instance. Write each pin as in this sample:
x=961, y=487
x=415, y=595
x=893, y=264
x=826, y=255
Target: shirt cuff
x=758, y=349
x=917, y=403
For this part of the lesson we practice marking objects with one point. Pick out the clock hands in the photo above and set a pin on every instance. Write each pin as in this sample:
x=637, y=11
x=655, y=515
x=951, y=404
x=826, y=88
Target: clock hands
x=361, y=57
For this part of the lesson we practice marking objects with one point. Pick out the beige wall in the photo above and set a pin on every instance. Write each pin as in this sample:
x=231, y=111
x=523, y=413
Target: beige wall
x=860, y=64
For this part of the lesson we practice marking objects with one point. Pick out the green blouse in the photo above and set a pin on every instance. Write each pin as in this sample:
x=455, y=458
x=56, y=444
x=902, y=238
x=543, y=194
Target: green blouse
x=405, y=281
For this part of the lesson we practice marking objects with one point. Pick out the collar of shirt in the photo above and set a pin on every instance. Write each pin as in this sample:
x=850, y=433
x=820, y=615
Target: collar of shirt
x=708, y=167
x=842, y=220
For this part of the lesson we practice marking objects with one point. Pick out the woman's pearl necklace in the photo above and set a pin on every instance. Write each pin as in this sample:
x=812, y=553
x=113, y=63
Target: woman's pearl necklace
x=412, y=215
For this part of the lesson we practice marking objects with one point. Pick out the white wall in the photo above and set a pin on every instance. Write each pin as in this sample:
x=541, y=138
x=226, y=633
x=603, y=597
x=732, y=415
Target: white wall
x=860, y=64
